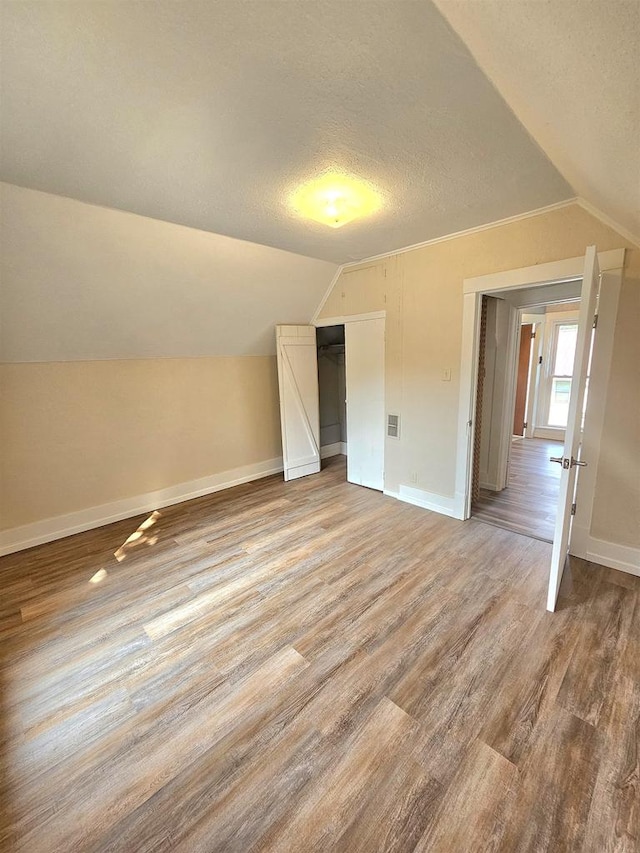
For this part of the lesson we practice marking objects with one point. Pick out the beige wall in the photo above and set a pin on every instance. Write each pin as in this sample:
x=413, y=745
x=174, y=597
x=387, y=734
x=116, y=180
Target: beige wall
x=616, y=510
x=75, y=435
x=81, y=282
x=78, y=434
x=421, y=291
x=138, y=354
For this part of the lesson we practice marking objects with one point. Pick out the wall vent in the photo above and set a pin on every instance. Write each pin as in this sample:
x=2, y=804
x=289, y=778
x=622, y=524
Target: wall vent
x=393, y=426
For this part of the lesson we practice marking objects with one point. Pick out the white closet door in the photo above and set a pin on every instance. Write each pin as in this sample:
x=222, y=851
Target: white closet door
x=299, y=408
x=364, y=360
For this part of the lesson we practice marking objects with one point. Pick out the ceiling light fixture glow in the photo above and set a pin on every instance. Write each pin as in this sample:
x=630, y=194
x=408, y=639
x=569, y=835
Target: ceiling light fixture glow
x=335, y=199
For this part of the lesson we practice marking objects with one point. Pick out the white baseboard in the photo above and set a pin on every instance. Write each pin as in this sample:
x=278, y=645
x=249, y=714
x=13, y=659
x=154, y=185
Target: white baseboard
x=614, y=556
x=29, y=535
x=490, y=487
x=427, y=500
x=549, y=433
x=338, y=448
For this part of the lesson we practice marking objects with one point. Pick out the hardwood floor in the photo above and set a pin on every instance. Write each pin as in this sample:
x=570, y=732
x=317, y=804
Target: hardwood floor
x=312, y=666
x=528, y=505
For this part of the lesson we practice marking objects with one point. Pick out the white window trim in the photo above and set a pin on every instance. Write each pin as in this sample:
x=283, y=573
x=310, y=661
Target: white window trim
x=543, y=429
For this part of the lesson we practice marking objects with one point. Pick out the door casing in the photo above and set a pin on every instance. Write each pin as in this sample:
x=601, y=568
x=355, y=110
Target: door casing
x=561, y=275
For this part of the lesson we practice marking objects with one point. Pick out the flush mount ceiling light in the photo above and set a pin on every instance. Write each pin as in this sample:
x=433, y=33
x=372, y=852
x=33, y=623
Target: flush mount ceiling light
x=335, y=199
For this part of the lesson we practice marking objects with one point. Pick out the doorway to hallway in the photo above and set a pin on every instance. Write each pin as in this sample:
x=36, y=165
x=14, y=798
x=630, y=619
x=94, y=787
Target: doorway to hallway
x=524, y=383
x=529, y=504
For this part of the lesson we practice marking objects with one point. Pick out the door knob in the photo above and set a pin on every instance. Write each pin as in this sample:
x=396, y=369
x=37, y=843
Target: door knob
x=578, y=462
x=556, y=459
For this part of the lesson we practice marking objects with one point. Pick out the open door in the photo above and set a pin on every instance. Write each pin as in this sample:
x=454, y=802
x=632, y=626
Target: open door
x=364, y=361
x=299, y=407
x=570, y=459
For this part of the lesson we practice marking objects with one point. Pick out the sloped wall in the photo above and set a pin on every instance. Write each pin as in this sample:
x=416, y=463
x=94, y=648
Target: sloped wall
x=81, y=282
x=138, y=356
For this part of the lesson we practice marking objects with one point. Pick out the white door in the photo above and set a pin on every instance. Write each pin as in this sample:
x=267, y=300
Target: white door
x=364, y=362
x=570, y=459
x=299, y=408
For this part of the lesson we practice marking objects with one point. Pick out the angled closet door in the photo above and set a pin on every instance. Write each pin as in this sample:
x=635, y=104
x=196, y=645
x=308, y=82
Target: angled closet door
x=364, y=362
x=571, y=460
x=299, y=407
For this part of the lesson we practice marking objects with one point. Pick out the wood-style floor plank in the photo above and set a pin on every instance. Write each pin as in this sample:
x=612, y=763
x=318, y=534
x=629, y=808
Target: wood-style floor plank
x=471, y=814
x=550, y=807
x=529, y=502
x=313, y=666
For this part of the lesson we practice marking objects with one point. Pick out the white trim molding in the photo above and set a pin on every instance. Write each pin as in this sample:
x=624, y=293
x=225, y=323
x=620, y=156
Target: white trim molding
x=596, y=408
x=349, y=318
x=611, y=264
x=49, y=529
x=614, y=556
x=540, y=211
x=476, y=229
x=335, y=278
x=582, y=544
x=338, y=448
x=539, y=275
x=550, y=433
x=608, y=221
x=441, y=504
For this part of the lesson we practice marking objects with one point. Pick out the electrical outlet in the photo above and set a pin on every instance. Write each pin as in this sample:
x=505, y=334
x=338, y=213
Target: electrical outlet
x=413, y=477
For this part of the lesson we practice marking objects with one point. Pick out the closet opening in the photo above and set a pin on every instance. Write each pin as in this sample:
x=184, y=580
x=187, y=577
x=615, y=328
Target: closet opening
x=330, y=343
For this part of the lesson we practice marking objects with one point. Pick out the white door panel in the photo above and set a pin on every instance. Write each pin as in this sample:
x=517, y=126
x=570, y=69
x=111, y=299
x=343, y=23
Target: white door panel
x=364, y=360
x=570, y=459
x=299, y=408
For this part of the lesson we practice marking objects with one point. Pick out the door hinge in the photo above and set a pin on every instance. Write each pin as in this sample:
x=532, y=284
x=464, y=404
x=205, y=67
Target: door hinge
x=595, y=321
x=540, y=360
x=533, y=334
x=573, y=509
x=525, y=425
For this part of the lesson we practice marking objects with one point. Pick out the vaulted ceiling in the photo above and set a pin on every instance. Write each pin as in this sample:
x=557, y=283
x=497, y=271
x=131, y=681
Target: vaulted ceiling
x=569, y=70
x=207, y=114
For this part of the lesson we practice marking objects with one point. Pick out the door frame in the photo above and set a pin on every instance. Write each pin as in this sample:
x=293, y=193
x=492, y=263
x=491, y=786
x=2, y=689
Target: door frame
x=510, y=373
x=527, y=377
x=563, y=274
x=348, y=318
x=534, y=371
x=321, y=322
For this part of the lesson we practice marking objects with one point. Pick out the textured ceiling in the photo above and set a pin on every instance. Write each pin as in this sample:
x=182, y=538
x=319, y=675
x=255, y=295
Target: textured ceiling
x=207, y=114
x=570, y=71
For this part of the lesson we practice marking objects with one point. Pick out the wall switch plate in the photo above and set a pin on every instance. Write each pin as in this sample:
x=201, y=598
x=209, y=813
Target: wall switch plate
x=446, y=374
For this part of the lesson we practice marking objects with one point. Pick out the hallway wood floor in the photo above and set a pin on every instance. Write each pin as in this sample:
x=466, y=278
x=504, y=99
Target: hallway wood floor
x=529, y=503
x=313, y=666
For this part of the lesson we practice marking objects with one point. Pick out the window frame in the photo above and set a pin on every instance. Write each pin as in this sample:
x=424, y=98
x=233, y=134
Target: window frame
x=549, y=358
